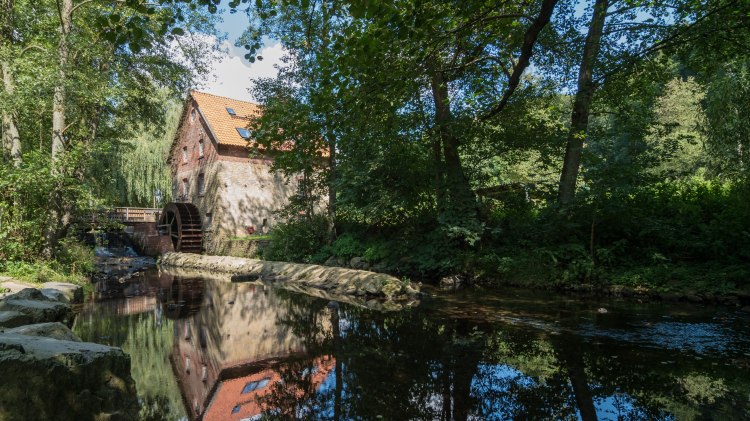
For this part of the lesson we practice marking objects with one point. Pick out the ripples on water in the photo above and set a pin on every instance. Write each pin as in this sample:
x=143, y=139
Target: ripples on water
x=212, y=350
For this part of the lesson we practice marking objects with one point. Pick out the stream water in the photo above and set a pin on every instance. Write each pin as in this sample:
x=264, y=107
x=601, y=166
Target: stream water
x=212, y=350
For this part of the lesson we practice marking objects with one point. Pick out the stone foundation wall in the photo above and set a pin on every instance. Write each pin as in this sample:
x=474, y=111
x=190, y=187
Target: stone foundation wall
x=224, y=246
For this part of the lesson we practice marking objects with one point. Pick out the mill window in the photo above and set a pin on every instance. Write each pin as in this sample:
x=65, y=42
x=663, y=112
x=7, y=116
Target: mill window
x=201, y=184
x=245, y=133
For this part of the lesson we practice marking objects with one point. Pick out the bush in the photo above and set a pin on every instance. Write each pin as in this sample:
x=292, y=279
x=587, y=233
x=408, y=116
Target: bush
x=347, y=246
x=297, y=240
x=75, y=258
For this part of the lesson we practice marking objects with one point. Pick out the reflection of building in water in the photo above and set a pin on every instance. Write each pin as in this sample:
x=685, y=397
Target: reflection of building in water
x=224, y=354
x=142, y=293
x=237, y=396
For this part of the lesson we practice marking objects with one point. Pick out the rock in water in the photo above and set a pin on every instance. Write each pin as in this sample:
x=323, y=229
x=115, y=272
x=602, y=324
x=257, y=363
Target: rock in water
x=453, y=282
x=49, y=379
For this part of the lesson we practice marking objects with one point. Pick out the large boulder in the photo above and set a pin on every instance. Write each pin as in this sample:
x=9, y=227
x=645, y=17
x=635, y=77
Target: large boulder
x=50, y=379
x=39, y=309
x=63, y=292
x=54, y=330
x=13, y=319
x=336, y=281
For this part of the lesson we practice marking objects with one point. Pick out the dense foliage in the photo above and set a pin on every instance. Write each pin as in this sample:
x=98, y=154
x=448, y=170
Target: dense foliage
x=552, y=141
x=456, y=130
x=80, y=80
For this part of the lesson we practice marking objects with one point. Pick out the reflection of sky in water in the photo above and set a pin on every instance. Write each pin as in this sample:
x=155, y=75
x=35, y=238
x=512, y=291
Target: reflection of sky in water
x=498, y=382
x=327, y=387
x=701, y=338
x=620, y=406
x=494, y=382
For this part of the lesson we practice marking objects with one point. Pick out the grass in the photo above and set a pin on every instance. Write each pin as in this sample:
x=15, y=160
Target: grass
x=254, y=237
x=41, y=272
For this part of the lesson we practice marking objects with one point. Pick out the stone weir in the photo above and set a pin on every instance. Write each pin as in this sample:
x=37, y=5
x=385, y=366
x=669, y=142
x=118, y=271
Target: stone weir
x=374, y=290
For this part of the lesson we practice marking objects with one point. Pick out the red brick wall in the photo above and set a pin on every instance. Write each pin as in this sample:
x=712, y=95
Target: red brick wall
x=190, y=133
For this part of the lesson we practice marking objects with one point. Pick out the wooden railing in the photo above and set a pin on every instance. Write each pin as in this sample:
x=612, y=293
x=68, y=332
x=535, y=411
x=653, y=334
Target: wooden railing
x=134, y=214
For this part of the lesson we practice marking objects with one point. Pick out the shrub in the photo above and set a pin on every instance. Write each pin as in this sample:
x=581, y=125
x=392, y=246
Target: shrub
x=297, y=240
x=347, y=246
x=74, y=257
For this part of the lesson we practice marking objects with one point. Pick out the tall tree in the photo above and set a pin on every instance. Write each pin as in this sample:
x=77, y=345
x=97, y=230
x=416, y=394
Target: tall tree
x=443, y=63
x=582, y=103
x=621, y=36
x=11, y=138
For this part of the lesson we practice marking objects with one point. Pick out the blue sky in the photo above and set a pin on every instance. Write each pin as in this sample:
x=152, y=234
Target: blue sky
x=233, y=75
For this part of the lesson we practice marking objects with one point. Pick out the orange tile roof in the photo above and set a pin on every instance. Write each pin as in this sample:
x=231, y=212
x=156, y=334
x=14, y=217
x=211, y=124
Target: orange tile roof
x=223, y=125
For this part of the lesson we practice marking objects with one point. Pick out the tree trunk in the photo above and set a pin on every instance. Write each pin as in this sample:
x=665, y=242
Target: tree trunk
x=58, y=99
x=527, y=49
x=437, y=156
x=59, y=213
x=332, y=189
x=582, y=105
x=11, y=137
x=460, y=198
x=326, y=15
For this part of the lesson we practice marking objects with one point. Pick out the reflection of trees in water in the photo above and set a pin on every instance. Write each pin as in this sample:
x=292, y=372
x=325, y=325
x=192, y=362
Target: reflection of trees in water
x=412, y=365
x=308, y=318
x=374, y=373
x=148, y=339
x=647, y=382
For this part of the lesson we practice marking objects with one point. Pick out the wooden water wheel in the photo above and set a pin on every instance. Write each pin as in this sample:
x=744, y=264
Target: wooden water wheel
x=182, y=222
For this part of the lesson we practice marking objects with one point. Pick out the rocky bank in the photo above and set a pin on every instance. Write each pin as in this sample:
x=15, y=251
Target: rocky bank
x=47, y=372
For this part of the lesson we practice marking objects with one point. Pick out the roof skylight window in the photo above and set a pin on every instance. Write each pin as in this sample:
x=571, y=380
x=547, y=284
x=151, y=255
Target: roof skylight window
x=231, y=111
x=245, y=133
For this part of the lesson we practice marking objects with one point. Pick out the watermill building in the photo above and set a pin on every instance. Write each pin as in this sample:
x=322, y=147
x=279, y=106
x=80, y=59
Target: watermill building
x=222, y=184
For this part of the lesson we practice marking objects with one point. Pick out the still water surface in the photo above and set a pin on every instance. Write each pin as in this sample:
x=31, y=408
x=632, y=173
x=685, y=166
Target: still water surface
x=213, y=350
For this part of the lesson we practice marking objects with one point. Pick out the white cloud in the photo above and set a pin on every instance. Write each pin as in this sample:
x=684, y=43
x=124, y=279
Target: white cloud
x=232, y=75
